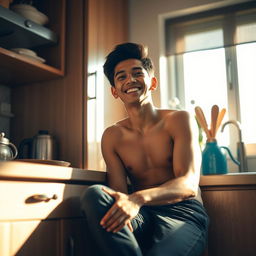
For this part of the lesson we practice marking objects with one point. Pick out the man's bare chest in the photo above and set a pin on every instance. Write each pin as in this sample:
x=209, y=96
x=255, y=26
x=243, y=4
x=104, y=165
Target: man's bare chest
x=152, y=150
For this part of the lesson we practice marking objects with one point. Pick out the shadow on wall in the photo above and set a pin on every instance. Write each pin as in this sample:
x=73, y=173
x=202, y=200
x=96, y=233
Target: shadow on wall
x=5, y=110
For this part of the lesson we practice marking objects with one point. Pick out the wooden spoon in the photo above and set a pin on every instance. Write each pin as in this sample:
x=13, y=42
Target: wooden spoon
x=202, y=121
x=220, y=118
x=214, y=117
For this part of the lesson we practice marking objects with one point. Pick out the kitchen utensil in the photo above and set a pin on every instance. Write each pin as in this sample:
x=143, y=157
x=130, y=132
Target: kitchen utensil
x=213, y=159
x=41, y=146
x=220, y=118
x=8, y=151
x=214, y=117
x=202, y=121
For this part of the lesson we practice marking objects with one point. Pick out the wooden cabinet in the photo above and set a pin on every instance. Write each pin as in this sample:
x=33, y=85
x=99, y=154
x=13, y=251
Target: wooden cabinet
x=230, y=202
x=40, y=212
x=41, y=218
x=91, y=28
x=29, y=238
x=75, y=238
x=16, y=69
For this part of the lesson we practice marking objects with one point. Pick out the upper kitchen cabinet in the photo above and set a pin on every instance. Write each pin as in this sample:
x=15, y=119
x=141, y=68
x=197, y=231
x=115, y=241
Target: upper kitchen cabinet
x=47, y=42
x=93, y=28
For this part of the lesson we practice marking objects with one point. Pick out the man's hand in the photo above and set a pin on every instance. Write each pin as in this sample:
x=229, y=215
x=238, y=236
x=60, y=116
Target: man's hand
x=121, y=213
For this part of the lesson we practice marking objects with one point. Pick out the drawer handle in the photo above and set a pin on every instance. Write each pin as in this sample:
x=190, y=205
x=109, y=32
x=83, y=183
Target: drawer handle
x=44, y=197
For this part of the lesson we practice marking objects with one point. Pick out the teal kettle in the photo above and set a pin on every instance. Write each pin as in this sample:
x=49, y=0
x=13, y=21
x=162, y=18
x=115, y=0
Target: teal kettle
x=214, y=160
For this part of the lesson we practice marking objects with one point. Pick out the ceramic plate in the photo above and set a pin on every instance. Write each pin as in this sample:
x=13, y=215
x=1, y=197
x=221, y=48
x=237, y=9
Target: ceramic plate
x=41, y=161
x=35, y=58
x=24, y=51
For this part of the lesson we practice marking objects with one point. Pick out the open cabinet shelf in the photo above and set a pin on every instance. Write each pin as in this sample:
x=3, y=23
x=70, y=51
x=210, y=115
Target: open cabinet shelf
x=16, y=69
x=48, y=42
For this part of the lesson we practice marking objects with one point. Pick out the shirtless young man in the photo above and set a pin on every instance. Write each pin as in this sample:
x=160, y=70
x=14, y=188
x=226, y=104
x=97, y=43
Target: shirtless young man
x=157, y=150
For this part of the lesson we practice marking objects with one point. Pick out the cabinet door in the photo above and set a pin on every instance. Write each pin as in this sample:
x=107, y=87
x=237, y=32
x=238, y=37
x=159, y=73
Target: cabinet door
x=20, y=202
x=75, y=238
x=5, y=239
x=29, y=238
x=232, y=220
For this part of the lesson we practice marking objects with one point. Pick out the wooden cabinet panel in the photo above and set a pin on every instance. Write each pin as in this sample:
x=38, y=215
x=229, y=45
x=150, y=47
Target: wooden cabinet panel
x=29, y=238
x=18, y=202
x=107, y=27
x=111, y=20
x=5, y=238
x=44, y=239
x=31, y=227
x=232, y=214
x=74, y=239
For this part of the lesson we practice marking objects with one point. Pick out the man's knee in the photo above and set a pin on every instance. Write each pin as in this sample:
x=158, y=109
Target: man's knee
x=94, y=198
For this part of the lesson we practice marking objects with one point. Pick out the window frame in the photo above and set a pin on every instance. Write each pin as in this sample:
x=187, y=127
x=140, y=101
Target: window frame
x=175, y=81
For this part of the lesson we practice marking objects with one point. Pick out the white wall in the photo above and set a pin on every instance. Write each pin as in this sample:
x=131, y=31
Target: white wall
x=145, y=23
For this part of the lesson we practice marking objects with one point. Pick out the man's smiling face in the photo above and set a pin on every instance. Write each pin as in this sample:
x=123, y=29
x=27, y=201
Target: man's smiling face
x=132, y=81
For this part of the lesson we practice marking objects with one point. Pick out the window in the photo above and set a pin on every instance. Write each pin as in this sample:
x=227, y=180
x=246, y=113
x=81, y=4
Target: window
x=95, y=119
x=211, y=60
x=246, y=58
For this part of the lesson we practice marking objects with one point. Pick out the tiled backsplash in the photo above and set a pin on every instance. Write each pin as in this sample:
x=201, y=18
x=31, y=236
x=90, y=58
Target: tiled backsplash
x=5, y=101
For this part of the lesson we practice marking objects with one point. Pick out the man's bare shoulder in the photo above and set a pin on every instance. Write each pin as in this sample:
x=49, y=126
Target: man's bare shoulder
x=182, y=123
x=115, y=130
x=171, y=116
x=179, y=121
x=168, y=113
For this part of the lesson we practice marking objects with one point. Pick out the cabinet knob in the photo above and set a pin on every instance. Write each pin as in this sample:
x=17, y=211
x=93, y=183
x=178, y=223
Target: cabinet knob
x=28, y=23
x=44, y=197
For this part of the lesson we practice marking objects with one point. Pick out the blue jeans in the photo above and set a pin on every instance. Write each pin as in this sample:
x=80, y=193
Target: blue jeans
x=173, y=229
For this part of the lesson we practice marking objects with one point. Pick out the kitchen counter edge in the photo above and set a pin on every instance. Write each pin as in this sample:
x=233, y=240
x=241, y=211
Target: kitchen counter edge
x=21, y=170
x=33, y=171
x=230, y=179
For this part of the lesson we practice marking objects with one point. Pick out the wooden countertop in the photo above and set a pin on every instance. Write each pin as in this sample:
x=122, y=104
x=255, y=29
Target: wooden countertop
x=231, y=179
x=34, y=171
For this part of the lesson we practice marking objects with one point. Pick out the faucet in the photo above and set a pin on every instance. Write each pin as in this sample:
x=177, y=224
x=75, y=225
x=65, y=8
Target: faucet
x=241, y=156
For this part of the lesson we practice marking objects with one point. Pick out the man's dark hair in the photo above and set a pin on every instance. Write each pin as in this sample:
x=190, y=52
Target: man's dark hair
x=123, y=52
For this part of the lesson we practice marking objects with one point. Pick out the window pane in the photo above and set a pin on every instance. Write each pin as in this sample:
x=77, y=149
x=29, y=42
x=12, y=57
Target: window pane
x=245, y=31
x=206, y=39
x=205, y=81
x=246, y=62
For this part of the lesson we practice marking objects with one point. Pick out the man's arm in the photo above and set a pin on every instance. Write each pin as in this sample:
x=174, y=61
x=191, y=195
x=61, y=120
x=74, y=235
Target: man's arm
x=116, y=176
x=186, y=164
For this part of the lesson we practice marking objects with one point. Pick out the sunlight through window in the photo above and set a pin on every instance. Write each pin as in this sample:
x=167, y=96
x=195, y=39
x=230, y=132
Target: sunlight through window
x=246, y=57
x=205, y=79
x=205, y=82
